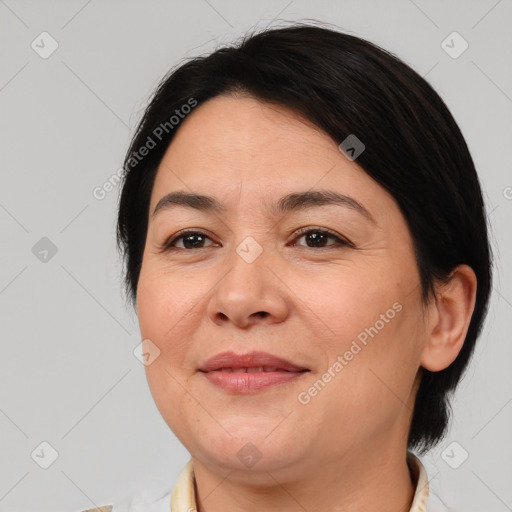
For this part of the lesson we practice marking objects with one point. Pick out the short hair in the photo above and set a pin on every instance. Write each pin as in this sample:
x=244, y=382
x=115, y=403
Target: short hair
x=413, y=148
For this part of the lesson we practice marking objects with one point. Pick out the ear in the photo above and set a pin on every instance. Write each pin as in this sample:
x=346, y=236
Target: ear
x=448, y=319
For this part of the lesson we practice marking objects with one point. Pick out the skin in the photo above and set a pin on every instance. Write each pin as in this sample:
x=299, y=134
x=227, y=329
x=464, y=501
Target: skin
x=346, y=449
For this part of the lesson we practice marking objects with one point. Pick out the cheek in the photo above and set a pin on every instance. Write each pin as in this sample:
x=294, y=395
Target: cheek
x=165, y=303
x=370, y=343
x=344, y=304
x=371, y=385
x=169, y=392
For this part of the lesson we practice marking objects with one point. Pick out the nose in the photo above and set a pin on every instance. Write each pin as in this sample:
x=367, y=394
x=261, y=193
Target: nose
x=249, y=292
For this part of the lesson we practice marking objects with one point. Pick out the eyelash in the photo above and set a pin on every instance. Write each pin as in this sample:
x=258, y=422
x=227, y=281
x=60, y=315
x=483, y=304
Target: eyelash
x=301, y=232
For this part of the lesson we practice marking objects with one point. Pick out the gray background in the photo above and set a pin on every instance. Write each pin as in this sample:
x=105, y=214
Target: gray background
x=67, y=369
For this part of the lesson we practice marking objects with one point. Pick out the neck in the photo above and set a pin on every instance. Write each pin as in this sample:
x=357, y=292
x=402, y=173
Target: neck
x=374, y=480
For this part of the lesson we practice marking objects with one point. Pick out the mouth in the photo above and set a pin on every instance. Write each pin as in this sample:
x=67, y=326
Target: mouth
x=251, y=362
x=256, y=369
x=250, y=373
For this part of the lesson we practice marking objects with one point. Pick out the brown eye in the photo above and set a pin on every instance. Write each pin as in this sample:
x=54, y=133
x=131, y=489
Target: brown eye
x=318, y=237
x=191, y=240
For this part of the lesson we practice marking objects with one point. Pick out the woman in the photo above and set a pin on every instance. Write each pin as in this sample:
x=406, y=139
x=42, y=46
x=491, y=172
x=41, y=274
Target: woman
x=306, y=247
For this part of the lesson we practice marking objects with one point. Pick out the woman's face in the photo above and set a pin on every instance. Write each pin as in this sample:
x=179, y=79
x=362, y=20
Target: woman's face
x=248, y=280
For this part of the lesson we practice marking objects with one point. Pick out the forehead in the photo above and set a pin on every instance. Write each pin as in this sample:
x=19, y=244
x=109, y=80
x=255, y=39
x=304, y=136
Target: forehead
x=247, y=132
x=239, y=148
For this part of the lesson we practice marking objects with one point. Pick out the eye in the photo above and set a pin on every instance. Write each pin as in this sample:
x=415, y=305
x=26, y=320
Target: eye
x=191, y=239
x=315, y=236
x=318, y=236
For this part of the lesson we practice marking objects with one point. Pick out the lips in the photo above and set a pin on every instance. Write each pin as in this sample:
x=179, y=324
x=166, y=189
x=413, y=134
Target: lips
x=250, y=373
x=252, y=362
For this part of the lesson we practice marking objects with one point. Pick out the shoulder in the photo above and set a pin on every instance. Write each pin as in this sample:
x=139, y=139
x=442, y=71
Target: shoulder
x=154, y=496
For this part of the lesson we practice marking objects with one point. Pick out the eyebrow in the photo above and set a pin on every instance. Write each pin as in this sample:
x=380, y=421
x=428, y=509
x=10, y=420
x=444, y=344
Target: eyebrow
x=291, y=202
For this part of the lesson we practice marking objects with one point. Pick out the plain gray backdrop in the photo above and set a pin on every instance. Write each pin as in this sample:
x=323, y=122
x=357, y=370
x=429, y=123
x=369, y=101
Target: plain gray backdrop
x=75, y=76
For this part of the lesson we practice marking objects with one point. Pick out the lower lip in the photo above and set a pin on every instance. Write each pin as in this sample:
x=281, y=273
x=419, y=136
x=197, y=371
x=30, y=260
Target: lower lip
x=250, y=382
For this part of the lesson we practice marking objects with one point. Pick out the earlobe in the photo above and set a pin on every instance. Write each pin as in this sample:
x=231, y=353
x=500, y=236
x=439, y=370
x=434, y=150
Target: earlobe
x=448, y=326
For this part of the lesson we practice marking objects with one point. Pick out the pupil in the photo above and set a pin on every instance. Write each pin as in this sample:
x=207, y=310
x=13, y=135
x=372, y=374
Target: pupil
x=189, y=237
x=316, y=237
